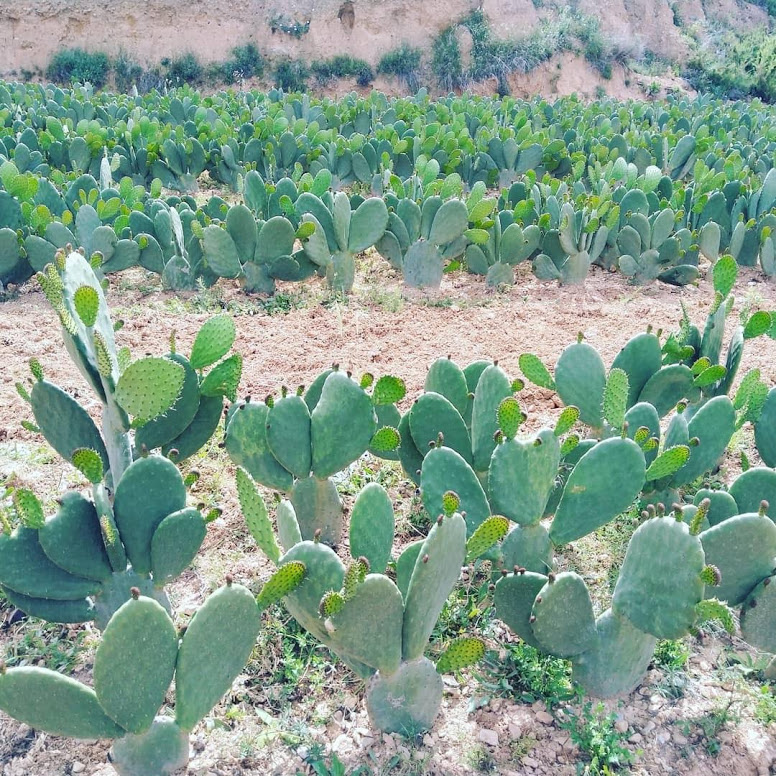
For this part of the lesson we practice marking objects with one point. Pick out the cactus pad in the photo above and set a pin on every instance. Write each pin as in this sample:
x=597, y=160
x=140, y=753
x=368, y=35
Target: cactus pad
x=372, y=527
x=463, y=652
x=431, y=415
x=514, y=599
x=175, y=542
x=758, y=616
x=753, y=487
x=213, y=341
x=255, y=512
x=162, y=750
x=281, y=583
x=492, y=387
x=527, y=547
x=289, y=435
x=535, y=371
x=148, y=387
x=493, y=530
x=580, y=378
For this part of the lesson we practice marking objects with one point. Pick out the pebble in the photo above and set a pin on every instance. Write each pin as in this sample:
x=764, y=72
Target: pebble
x=529, y=762
x=648, y=727
x=636, y=738
x=489, y=737
x=515, y=731
x=663, y=737
x=680, y=739
x=621, y=726
x=78, y=767
x=544, y=717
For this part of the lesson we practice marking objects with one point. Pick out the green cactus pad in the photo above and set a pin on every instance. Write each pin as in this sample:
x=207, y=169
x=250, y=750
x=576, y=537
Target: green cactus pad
x=28, y=508
x=437, y=569
x=764, y=428
x=318, y=507
x=388, y=390
x=369, y=625
x=446, y=378
x=668, y=462
x=580, y=378
x=255, y=513
x=385, y=440
x=213, y=651
x=65, y=424
x=89, y=463
x=86, y=303
x=514, y=599
x=618, y=659
x=713, y=425
x=288, y=527
x=289, y=435
x=110, y=533
x=118, y=590
x=199, y=432
x=639, y=359
x=246, y=443
x=150, y=489
x=164, y=428
x=535, y=371
x=667, y=387
x=81, y=610
x=343, y=423
x=493, y=530
x=492, y=387
x=743, y=548
x=405, y=565
x=563, y=620
x=522, y=475
x=372, y=527
x=602, y=485
x=566, y=421
x=754, y=486
x=643, y=415
x=367, y=224
x=175, y=543
x=325, y=572
x=615, y=400
x=213, y=341
x=431, y=415
x=758, y=616
x=722, y=505
x=224, y=378
x=280, y=584
x=162, y=750
x=56, y=704
x=72, y=539
x=406, y=702
x=660, y=579
x=410, y=457
x=462, y=653
x=135, y=662
x=148, y=387
x=509, y=416
x=444, y=470
x=724, y=275
x=527, y=547
x=26, y=569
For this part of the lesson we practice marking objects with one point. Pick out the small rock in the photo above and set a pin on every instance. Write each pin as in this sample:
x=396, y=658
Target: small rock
x=648, y=727
x=679, y=739
x=529, y=762
x=636, y=738
x=515, y=731
x=428, y=740
x=544, y=717
x=78, y=767
x=489, y=737
x=350, y=702
x=621, y=726
x=663, y=737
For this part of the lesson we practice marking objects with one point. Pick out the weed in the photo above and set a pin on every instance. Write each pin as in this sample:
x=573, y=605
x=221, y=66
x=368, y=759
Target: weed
x=343, y=66
x=75, y=64
x=280, y=23
x=469, y=608
x=185, y=69
x=446, y=62
x=594, y=732
x=246, y=62
x=707, y=728
x=671, y=654
x=481, y=759
x=528, y=675
x=765, y=708
x=126, y=71
x=521, y=748
x=291, y=75
x=48, y=645
x=404, y=64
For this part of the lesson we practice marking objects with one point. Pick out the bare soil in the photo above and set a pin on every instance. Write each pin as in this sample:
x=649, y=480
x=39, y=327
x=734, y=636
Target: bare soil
x=384, y=329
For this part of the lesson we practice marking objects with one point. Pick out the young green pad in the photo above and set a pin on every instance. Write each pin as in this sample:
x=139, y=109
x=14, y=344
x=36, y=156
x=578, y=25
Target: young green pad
x=668, y=386
x=343, y=423
x=722, y=505
x=563, y=619
x=213, y=341
x=580, y=378
x=713, y=425
x=446, y=378
x=214, y=650
x=753, y=487
x=527, y=547
x=437, y=569
x=639, y=359
x=758, y=616
x=431, y=415
x=602, y=485
x=522, y=475
x=150, y=489
x=135, y=662
x=48, y=701
x=288, y=526
x=161, y=750
x=280, y=584
x=148, y=387
x=175, y=542
x=26, y=569
x=72, y=539
x=317, y=506
x=514, y=599
x=743, y=548
x=618, y=660
x=493, y=386
x=372, y=527
x=660, y=580
x=289, y=434
x=255, y=512
x=444, y=470
x=369, y=625
x=246, y=443
x=463, y=652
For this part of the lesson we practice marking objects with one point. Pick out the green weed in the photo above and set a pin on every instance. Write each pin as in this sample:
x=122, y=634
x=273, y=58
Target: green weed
x=602, y=745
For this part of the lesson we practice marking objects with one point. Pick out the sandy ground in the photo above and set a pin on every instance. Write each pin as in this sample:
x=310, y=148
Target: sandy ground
x=383, y=329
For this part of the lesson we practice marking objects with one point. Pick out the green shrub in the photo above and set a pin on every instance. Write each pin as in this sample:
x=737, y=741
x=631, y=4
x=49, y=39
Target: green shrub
x=291, y=75
x=126, y=71
x=446, y=63
x=246, y=62
x=404, y=64
x=343, y=66
x=75, y=64
x=185, y=69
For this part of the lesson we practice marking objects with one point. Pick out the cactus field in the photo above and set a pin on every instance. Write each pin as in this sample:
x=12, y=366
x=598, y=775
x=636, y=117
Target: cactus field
x=386, y=435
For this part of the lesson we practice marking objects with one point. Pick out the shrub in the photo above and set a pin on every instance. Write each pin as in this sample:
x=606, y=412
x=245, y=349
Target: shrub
x=291, y=75
x=126, y=71
x=404, y=64
x=246, y=62
x=446, y=61
x=75, y=64
x=343, y=66
x=185, y=69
